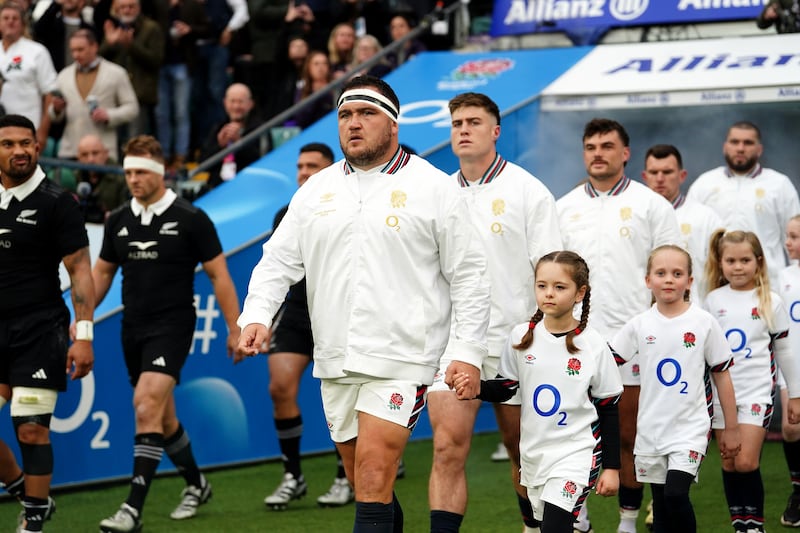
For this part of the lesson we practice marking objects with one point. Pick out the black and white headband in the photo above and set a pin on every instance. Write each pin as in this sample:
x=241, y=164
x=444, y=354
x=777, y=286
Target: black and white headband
x=368, y=96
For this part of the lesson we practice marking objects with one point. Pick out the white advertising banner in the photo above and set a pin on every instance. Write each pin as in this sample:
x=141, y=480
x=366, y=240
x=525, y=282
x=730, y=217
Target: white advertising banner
x=681, y=73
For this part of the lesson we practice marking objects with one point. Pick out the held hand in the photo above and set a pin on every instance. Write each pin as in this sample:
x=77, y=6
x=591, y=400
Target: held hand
x=729, y=443
x=100, y=115
x=461, y=384
x=59, y=104
x=234, y=335
x=253, y=340
x=608, y=483
x=793, y=409
x=473, y=378
x=80, y=359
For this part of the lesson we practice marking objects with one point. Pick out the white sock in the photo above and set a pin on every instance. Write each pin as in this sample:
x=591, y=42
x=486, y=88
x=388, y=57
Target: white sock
x=627, y=520
x=582, y=522
x=529, y=529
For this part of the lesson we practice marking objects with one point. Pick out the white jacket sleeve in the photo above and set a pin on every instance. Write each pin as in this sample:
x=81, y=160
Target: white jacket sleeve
x=281, y=265
x=463, y=263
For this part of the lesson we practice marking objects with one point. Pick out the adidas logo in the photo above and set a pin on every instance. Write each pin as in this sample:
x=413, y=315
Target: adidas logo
x=123, y=232
x=159, y=361
x=138, y=480
x=39, y=374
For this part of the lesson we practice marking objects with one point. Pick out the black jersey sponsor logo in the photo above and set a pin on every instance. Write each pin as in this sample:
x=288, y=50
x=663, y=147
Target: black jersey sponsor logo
x=142, y=250
x=168, y=228
x=25, y=215
x=5, y=243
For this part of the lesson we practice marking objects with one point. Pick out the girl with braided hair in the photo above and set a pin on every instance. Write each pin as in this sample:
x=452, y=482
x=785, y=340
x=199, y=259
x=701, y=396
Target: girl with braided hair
x=681, y=349
x=570, y=387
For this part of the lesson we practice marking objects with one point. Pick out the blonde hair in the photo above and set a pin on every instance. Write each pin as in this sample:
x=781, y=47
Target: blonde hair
x=675, y=248
x=579, y=272
x=715, y=279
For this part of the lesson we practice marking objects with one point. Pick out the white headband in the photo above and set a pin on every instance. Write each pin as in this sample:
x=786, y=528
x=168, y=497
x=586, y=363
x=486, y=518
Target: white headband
x=374, y=98
x=142, y=163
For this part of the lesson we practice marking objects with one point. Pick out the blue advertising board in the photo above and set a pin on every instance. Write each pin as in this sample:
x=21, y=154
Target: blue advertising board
x=514, y=17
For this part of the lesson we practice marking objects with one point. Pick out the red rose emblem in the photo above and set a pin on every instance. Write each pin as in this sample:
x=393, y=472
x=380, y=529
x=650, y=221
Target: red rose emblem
x=570, y=487
x=754, y=314
x=689, y=339
x=395, y=401
x=17, y=59
x=573, y=366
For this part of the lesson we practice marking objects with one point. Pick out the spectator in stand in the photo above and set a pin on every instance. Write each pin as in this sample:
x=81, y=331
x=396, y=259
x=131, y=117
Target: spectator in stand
x=210, y=73
x=187, y=21
x=341, y=48
x=95, y=96
x=240, y=121
x=366, y=16
x=106, y=190
x=136, y=43
x=55, y=27
x=368, y=47
x=27, y=70
x=267, y=19
x=400, y=26
x=784, y=14
x=292, y=55
x=316, y=75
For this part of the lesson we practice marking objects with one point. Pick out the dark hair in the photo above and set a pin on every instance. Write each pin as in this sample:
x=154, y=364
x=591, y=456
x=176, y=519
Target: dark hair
x=89, y=35
x=145, y=145
x=475, y=100
x=605, y=125
x=579, y=271
x=409, y=16
x=17, y=121
x=372, y=82
x=746, y=125
x=662, y=151
x=322, y=148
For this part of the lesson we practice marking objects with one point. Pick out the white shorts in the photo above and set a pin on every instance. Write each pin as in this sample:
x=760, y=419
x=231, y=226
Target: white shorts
x=755, y=414
x=629, y=372
x=400, y=402
x=488, y=371
x=654, y=468
x=562, y=493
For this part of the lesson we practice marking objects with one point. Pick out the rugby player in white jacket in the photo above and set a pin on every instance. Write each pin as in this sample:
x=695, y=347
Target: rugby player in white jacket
x=515, y=216
x=386, y=245
x=614, y=223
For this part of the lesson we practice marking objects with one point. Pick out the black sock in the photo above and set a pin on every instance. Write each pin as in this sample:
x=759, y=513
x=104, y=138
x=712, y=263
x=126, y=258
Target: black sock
x=733, y=495
x=679, y=510
x=340, y=473
x=526, y=510
x=659, y=507
x=398, y=514
x=753, y=498
x=289, y=432
x=555, y=519
x=147, y=451
x=630, y=498
x=374, y=518
x=17, y=487
x=791, y=450
x=445, y=522
x=35, y=509
x=179, y=450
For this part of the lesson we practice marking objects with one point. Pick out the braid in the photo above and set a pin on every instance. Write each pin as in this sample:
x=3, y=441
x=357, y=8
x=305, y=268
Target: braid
x=570, y=339
x=527, y=339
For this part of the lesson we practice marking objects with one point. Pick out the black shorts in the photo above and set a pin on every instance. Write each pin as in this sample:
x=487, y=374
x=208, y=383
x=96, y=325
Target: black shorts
x=160, y=347
x=33, y=349
x=293, y=336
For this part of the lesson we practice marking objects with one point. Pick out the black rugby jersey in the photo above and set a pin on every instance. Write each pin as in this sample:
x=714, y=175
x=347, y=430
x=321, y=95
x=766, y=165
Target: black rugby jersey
x=35, y=234
x=158, y=260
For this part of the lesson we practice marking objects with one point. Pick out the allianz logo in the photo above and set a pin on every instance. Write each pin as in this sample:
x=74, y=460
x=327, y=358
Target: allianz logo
x=698, y=62
x=551, y=10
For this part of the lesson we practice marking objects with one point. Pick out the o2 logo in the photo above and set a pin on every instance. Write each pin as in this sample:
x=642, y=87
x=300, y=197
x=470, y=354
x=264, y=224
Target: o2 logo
x=439, y=115
x=669, y=374
x=794, y=312
x=737, y=338
x=543, y=392
x=81, y=413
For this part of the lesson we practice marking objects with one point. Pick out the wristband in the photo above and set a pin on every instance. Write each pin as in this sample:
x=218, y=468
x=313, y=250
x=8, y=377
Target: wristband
x=84, y=330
